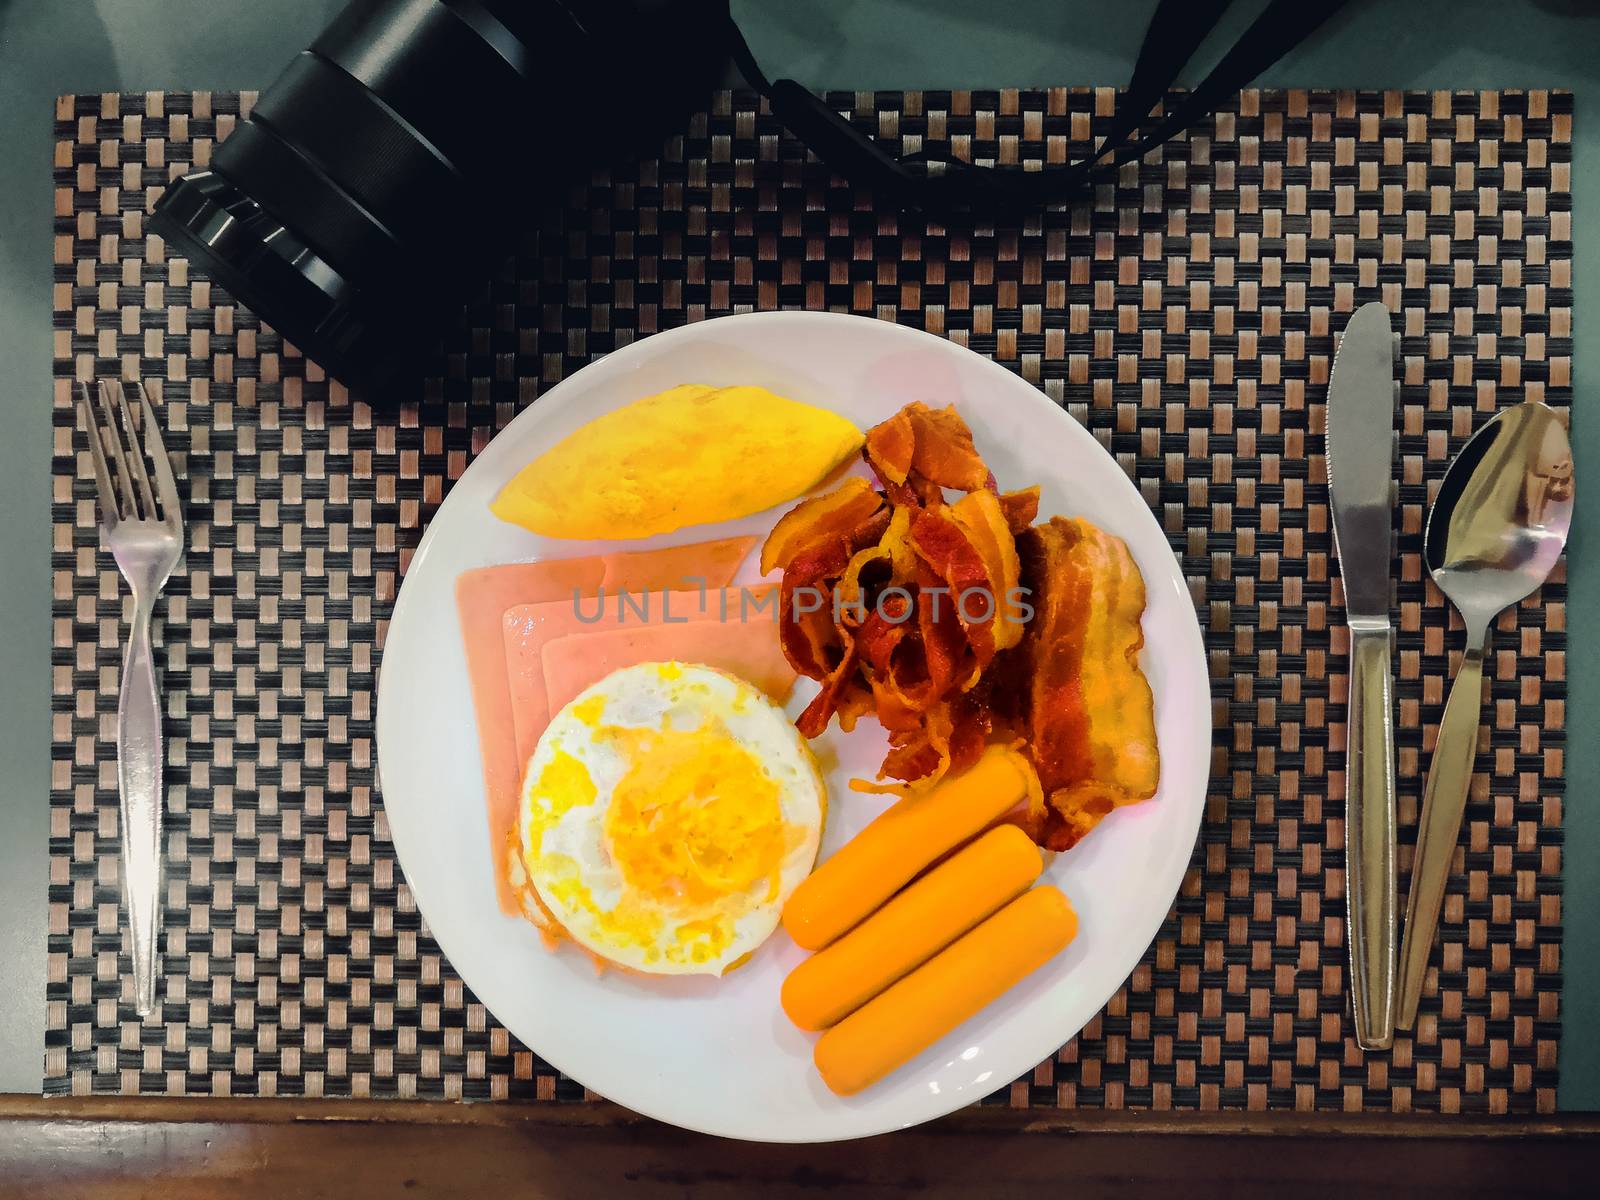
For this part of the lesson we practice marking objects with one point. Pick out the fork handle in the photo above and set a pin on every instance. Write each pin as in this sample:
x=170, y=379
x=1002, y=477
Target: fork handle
x=1444, y=802
x=139, y=755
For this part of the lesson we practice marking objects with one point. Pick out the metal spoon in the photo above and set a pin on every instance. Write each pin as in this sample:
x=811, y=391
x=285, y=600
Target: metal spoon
x=1496, y=530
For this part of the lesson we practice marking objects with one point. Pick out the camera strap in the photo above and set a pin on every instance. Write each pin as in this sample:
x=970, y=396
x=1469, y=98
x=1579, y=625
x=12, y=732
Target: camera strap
x=938, y=180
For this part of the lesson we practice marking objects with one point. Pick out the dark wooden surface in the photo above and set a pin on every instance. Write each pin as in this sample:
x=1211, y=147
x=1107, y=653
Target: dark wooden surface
x=187, y=1149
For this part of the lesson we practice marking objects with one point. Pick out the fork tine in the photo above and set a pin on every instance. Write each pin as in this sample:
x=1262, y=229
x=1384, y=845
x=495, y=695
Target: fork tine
x=119, y=456
x=171, y=509
x=110, y=513
x=141, y=474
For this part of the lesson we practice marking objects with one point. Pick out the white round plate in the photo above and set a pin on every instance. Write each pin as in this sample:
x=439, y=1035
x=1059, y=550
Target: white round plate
x=719, y=1055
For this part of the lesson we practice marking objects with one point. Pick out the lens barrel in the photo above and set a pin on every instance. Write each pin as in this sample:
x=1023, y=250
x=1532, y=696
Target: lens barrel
x=377, y=179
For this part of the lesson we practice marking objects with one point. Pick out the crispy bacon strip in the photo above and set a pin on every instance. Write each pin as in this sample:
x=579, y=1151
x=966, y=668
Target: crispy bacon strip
x=814, y=719
x=897, y=544
x=926, y=444
x=921, y=752
x=890, y=446
x=852, y=702
x=883, y=631
x=1021, y=509
x=980, y=515
x=971, y=724
x=950, y=738
x=853, y=595
x=969, y=548
x=948, y=661
x=819, y=519
x=817, y=633
x=1091, y=715
x=805, y=619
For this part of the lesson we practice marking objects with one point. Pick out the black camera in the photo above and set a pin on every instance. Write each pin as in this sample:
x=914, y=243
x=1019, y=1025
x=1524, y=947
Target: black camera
x=374, y=182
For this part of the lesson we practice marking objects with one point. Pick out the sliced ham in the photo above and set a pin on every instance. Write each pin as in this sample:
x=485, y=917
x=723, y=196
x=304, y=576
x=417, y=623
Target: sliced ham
x=744, y=645
x=482, y=598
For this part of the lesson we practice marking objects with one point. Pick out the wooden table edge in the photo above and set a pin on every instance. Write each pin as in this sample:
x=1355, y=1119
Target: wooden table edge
x=111, y=1148
x=985, y=1121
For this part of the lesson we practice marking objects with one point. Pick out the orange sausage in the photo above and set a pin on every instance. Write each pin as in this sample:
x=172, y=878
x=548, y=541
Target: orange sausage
x=950, y=987
x=911, y=928
x=894, y=849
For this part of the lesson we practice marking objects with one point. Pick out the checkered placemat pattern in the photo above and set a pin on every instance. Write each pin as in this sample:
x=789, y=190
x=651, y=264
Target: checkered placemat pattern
x=1186, y=313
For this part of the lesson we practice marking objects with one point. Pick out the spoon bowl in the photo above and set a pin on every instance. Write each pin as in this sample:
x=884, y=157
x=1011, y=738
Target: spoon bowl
x=1496, y=530
x=1500, y=520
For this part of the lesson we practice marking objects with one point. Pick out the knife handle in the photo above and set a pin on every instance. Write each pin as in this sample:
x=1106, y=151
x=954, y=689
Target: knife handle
x=1369, y=835
x=1444, y=801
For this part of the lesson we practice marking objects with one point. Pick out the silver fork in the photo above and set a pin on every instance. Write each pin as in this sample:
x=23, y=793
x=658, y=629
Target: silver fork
x=142, y=526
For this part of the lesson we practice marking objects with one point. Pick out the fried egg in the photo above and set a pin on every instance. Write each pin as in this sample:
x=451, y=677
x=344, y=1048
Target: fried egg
x=667, y=813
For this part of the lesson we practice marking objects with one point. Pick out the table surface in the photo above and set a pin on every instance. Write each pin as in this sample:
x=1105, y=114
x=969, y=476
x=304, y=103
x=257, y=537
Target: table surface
x=54, y=46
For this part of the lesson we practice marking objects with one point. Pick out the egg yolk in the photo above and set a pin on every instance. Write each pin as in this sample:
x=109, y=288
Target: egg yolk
x=564, y=784
x=694, y=818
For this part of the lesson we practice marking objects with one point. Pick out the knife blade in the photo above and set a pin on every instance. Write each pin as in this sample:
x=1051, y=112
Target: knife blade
x=1360, y=450
x=1360, y=446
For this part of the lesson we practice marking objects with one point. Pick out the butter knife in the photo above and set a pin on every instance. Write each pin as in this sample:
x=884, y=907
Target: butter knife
x=1360, y=451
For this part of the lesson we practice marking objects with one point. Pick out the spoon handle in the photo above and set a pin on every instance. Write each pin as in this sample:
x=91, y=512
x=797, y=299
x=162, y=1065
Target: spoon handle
x=1369, y=835
x=1444, y=799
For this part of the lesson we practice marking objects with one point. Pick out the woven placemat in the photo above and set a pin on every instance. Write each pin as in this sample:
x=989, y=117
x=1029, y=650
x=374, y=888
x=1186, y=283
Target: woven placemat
x=1186, y=315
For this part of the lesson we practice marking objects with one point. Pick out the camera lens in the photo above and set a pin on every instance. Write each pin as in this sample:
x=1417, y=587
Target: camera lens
x=374, y=182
